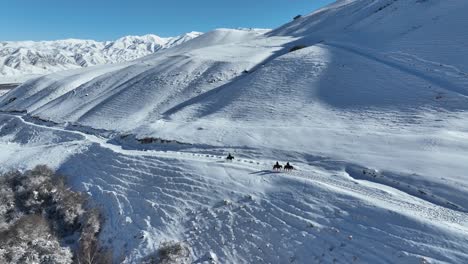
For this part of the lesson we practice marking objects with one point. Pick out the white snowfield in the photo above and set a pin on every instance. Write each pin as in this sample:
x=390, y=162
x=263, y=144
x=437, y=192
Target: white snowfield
x=372, y=113
x=23, y=60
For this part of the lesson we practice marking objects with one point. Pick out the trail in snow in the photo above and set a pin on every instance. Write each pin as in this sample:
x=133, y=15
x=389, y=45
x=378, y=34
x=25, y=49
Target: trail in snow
x=424, y=209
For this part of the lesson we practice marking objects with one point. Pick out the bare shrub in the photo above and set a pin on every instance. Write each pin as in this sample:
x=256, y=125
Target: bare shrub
x=170, y=252
x=90, y=250
x=67, y=207
x=30, y=240
x=41, y=191
x=7, y=202
x=38, y=211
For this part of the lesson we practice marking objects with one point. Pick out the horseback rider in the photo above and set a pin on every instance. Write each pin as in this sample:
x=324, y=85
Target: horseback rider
x=288, y=167
x=277, y=166
x=230, y=157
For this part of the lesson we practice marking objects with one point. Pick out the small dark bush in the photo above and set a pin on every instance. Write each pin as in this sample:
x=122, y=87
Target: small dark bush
x=169, y=253
x=148, y=140
x=297, y=47
x=151, y=140
x=297, y=17
x=11, y=100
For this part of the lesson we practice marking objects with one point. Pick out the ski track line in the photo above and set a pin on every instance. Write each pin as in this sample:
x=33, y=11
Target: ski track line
x=422, y=207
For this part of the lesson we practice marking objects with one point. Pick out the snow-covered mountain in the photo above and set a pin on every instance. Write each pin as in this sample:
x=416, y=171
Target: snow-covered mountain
x=368, y=99
x=24, y=59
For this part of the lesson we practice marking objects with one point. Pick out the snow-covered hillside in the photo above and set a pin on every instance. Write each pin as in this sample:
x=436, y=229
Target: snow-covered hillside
x=21, y=60
x=367, y=98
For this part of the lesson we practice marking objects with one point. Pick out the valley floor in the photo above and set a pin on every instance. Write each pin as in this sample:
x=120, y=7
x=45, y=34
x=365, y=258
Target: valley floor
x=326, y=211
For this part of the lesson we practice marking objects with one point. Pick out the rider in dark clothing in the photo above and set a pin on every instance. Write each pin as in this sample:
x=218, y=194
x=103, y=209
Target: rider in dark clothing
x=230, y=157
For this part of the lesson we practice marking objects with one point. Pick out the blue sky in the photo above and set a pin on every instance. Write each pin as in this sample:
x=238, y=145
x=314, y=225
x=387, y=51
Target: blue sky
x=111, y=19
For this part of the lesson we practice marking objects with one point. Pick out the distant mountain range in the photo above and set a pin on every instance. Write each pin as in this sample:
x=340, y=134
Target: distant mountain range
x=20, y=60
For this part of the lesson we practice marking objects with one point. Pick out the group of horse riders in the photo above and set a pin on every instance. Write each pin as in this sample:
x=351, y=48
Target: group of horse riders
x=287, y=167
x=276, y=167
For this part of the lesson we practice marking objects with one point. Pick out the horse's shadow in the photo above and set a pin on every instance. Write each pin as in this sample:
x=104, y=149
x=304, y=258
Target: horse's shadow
x=262, y=172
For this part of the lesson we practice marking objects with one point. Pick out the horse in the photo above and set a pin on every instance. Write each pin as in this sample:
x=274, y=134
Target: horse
x=277, y=166
x=288, y=167
x=230, y=157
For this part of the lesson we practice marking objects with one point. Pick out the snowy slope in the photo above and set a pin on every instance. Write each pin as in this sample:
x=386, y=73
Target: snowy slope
x=370, y=66
x=372, y=113
x=20, y=60
x=238, y=212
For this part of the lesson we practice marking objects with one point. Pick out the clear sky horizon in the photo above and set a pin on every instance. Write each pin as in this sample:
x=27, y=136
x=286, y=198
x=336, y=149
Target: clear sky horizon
x=109, y=20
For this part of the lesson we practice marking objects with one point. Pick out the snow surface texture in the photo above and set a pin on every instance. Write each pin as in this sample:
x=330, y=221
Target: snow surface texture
x=239, y=212
x=372, y=112
x=23, y=60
